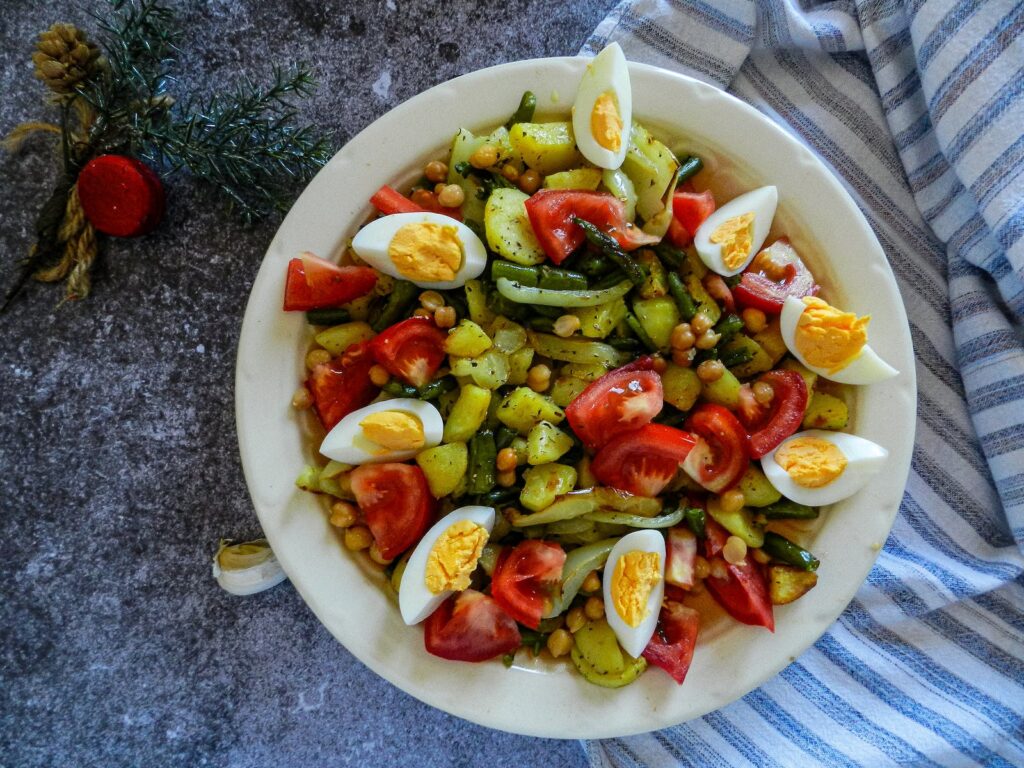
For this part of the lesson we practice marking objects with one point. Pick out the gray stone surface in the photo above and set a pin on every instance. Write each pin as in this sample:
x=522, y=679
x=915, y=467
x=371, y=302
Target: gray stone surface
x=119, y=465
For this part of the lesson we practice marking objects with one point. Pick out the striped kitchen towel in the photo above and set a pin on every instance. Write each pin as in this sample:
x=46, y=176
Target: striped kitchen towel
x=917, y=106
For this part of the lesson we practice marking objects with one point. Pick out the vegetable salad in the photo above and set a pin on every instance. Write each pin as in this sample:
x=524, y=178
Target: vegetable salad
x=564, y=390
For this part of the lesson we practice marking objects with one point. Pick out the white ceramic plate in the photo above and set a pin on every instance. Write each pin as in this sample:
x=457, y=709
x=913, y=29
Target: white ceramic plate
x=731, y=659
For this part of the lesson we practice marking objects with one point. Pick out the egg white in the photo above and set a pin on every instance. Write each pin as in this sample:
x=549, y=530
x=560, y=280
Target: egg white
x=346, y=443
x=372, y=241
x=634, y=639
x=762, y=202
x=607, y=72
x=864, y=459
x=866, y=368
x=415, y=601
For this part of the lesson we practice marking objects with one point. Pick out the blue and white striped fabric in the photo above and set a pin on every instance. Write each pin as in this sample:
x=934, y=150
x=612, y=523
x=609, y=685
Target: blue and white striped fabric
x=918, y=107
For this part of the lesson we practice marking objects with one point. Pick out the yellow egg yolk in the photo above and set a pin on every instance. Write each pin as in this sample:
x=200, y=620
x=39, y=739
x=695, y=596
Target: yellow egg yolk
x=636, y=574
x=828, y=338
x=454, y=556
x=811, y=461
x=427, y=252
x=393, y=430
x=735, y=236
x=606, y=122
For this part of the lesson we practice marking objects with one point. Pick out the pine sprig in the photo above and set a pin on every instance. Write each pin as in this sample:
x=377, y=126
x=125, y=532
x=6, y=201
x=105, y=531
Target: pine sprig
x=246, y=142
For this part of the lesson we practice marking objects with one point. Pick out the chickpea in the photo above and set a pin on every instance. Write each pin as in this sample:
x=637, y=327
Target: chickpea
x=431, y=300
x=436, y=171
x=593, y=609
x=444, y=317
x=559, y=643
x=710, y=370
x=763, y=392
x=424, y=198
x=772, y=267
x=592, y=583
x=660, y=364
x=700, y=323
x=422, y=312
x=566, y=325
x=575, y=619
x=718, y=569
x=343, y=514
x=301, y=400
x=701, y=567
x=683, y=359
x=507, y=459
x=484, y=157
x=510, y=172
x=437, y=190
x=754, y=320
x=379, y=376
x=451, y=196
x=732, y=501
x=376, y=556
x=529, y=181
x=760, y=556
x=708, y=339
x=538, y=378
x=507, y=478
x=682, y=337
x=317, y=357
x=358, y=538
x=735, y=550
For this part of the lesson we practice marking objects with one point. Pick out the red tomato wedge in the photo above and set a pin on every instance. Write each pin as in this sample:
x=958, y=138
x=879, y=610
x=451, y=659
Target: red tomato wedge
x=644, y=461
x=412, y=350
x=388, y=200
x=784, y=414
x=551, y=213
x=396, y=502
x=680, y=557
x=672, y=644
x=677, y=234
x=621, y=400
x=720, y=457
x=743, y=593
x=313, y=283
x=470, y=627
x=341, y=386
x=691, y=208
x=524, y=577
x=759, y=291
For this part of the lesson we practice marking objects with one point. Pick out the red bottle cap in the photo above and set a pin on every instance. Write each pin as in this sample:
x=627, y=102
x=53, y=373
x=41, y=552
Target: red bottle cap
x=120, y=195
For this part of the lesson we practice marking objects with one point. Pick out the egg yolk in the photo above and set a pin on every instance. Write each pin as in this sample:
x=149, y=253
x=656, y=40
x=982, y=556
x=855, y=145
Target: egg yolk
x=811, y=461
x=606, y=122
x=453, y=557
x=735, y=235
x=393, y=430
x=427, y=252
x=828, y=338
x=636, y=574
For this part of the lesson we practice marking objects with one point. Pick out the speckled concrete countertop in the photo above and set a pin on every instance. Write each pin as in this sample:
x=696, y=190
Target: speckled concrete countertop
x=119, y=465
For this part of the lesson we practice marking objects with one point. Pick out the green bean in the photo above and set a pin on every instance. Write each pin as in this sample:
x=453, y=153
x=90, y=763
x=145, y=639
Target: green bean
x=674, y=257
x=434, y=389
x=499, y=496
x=614, y=277
x=611, y=248
x=728, y=326
x=782, y=549
x=595, y=264
x=396, y=388
x=561, y=279
x=504, y=436
x=399, y=301
x=694, y=518
x=789, y=510
x=524, y=112
x=532, y=640
x=625, y=343
x=691, y=167
x=328, y=316
x=732, y=357
x=482, y=454
x=638, y=329
x=545, y=324
x=517, y=272
x=684, y=301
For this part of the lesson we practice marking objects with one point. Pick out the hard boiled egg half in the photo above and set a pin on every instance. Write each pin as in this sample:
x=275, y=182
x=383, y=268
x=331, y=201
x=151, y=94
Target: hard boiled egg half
x=603, y=111
x=818, y=467
x=429, y=249
x=830, y=342
x=391, y=430
x=730, y=237
x=634, y=584
x=443, y=561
